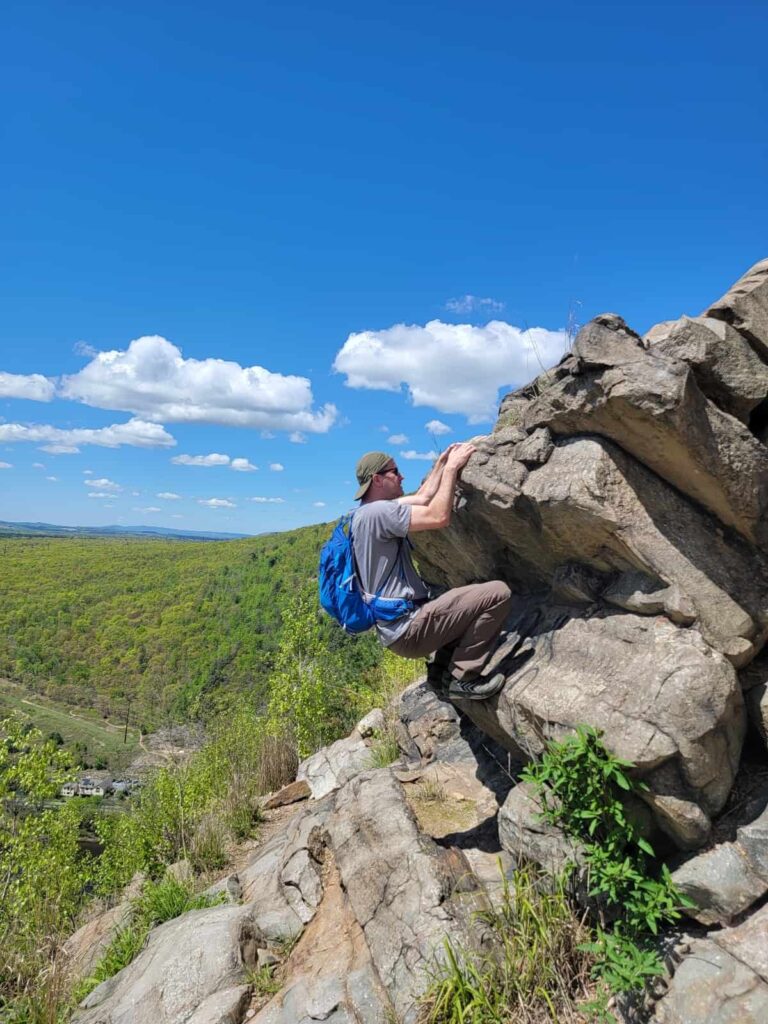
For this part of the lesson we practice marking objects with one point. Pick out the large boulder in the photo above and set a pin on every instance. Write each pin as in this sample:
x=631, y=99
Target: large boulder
x=663, y=698
x=203, y=955
x=745, y=307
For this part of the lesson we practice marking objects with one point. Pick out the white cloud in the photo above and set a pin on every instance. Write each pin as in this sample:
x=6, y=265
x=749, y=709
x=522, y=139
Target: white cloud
x=151, y=378
x=243, y=466
x=398, y=439
x=103, y=484
x=6, y=465
x=53, y=479
x=150, y=508
x=268, y=501
x=87, y=472
x=318, y=504
x=82, y=348
x=135, y=494
x=168, y=496
x=33, y=386
x=214, y=459
x=437, y=427
x=276, y=467
x=38, y=465
x=100, y=494
x=137, y=433
x=297, y=437
x=472, y=304
x=425, y=456
x=216, y=502
x=455, y=368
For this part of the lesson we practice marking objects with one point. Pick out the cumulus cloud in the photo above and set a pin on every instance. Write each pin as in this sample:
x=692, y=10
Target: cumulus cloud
x=136, y=433
x=152, y=379
x=268, y=501
x=425, y=456
x=6, y=465
x=168, y=496
x=276, y=467
x=216, y=502
x=455, y=368
x=473, y=304
x=214, y=459
x=33, y=386
x=437, y=427
x=242, y=466
x=398, y=439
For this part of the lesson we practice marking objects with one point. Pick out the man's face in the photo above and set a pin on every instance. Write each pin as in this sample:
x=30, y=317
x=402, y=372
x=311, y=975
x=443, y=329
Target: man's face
x=390, y=482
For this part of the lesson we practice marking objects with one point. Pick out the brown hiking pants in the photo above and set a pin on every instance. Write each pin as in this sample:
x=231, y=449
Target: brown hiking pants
x=471, y=615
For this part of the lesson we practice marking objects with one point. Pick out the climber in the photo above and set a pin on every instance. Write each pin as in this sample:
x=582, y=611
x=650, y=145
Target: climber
x=459, y=628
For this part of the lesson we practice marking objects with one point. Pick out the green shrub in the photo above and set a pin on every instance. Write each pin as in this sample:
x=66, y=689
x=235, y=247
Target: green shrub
x=583, y=789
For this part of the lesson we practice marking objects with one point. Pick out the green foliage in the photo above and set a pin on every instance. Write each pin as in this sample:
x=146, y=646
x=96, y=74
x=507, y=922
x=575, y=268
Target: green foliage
x=583, y=789
x=42, y=874
x=537, y=968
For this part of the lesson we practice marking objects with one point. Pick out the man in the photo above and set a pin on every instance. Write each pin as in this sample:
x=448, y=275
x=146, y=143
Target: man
x=463, y=624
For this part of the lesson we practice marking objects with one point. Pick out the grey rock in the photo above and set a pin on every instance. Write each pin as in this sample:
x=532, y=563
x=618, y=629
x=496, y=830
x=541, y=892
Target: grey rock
x=224, y=1007
x=712, y=987
x=577, y=584
x=636, y=592
x=332, y=766
x=230, y=886
x=372, y=723
x=593, y=504
x=721, y=884
x=535, y=449
x=525, y=835
x=185, y=962
x=266, y=959
x=748, y=943
x=652, y=406
x=745, y=307
x=727, y=369
x=663, y=698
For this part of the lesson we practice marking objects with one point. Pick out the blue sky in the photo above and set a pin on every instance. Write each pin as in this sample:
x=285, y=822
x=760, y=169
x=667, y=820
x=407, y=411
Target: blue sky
x=335, y=224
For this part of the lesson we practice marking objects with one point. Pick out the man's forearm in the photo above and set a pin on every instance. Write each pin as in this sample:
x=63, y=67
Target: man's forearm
x=428, y=489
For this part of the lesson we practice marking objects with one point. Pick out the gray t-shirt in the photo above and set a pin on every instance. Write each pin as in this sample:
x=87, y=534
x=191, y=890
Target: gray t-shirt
x=378, y=538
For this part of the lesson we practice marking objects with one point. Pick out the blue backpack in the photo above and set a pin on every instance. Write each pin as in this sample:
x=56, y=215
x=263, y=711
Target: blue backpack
x=340, y=592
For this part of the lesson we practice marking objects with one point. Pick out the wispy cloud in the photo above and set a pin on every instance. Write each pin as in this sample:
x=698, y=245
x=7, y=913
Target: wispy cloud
x=6, y=465
x=151, y=378
x=296, y=437
x=33, y=386
x=53, y=479
x=150, y=508
x=437, y=427
x=424, y=456
x=318, y=504
x=276, y=467
x=268, y=501
x=473, y=304
x=398, y=439
x=100, y=494
x=168, y=496
x=216, y=502
x=136, y=433
x=455, y=368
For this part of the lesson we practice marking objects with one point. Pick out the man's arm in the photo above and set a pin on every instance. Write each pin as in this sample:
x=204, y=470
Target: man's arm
x=431, y=483
x=436, y=514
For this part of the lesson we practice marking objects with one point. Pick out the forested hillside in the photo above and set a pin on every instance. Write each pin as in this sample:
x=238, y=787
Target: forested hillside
x=177, y=628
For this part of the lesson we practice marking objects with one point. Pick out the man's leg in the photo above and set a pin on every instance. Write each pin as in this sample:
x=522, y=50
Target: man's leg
x=470, y=616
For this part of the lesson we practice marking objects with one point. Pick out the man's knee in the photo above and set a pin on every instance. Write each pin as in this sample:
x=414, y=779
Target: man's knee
x=500, y=591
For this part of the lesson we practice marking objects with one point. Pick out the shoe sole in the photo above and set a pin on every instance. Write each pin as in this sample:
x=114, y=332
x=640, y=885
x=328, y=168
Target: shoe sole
x=491, y=687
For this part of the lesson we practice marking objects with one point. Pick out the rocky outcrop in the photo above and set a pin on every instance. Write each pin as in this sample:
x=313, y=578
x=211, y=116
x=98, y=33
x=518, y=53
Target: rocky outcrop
x=623, y=497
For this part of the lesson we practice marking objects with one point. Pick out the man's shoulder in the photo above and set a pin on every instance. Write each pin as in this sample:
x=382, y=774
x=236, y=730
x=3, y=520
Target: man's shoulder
x=384, y=512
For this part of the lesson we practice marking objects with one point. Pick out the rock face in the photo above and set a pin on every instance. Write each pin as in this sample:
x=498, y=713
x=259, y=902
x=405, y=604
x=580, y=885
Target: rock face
x=623, y=497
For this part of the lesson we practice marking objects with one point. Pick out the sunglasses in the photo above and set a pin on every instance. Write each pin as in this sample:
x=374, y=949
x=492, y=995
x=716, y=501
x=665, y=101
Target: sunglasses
x=392, y=469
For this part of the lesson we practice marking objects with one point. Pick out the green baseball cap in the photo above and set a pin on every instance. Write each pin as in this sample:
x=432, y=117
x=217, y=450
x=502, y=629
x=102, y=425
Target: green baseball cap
x=370, y=464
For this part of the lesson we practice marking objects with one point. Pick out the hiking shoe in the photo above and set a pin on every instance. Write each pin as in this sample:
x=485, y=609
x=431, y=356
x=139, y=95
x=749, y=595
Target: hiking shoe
x=476, y=688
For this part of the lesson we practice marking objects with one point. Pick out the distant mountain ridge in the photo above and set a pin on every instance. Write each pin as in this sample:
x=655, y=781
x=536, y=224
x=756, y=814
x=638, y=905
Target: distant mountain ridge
x=52, y=530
